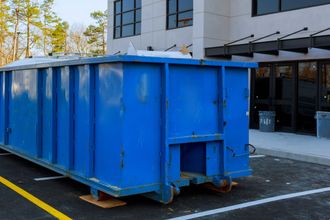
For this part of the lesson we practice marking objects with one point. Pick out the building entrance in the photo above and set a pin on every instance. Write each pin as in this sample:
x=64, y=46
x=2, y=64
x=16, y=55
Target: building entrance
x=294, y=90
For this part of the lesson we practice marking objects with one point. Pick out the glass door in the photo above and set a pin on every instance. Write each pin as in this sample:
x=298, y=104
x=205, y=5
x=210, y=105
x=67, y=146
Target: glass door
x=307, y=97
x=261, y=93
x=325, y=87
x=284, y=96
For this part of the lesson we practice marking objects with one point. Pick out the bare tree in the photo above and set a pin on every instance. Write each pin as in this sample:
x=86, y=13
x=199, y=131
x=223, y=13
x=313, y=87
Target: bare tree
x=77, y=41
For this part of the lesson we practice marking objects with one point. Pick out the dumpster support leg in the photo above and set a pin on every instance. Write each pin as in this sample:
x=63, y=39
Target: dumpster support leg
x=102, y=200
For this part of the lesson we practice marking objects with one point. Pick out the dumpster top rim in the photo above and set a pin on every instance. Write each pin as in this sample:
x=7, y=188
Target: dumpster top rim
x=133, y=59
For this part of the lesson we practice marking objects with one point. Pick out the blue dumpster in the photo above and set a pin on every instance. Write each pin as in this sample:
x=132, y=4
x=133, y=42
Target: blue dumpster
x=127, y=125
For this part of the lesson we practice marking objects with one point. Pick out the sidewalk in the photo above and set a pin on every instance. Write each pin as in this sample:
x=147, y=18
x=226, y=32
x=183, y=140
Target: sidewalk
x=292, y=146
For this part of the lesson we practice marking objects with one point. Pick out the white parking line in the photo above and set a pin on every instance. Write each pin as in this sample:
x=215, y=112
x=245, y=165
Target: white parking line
x=49, y=178
x=5, y=154
x=253, y=203
x=257, y=156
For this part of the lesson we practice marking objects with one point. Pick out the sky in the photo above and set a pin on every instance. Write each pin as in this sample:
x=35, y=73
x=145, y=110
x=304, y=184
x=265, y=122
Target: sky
x=78, y=11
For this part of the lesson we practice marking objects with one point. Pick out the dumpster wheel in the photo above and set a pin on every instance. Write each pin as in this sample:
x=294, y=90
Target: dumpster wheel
x=226, y=188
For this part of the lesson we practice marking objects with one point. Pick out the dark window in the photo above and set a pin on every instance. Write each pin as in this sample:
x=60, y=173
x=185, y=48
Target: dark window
x=179, y=13
x=266, y=7
x=284, y=82
x=138, y=15
x=262, y=84
x=261, y=7
x=172, y=6
x=128, y=5
x=128, y=30
x=118, y=6
x=325, y=85
x=307, y=96
x=185, y=5
x=290, y=4
x=138, y=28
x=127, y=18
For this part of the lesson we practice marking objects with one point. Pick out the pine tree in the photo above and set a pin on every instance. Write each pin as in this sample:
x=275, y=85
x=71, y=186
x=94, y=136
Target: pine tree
x=97, y=33
x=59, y=37
x=49, y=21
x=31, y=17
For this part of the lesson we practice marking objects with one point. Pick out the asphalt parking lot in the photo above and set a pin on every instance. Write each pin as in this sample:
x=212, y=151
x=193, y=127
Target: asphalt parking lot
x=272, y=177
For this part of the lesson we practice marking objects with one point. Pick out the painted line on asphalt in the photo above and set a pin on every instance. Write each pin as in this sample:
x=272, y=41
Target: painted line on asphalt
x=5, y=154
x=49, y=178
x=52, y=211
x=257, y=156
x=252, y=203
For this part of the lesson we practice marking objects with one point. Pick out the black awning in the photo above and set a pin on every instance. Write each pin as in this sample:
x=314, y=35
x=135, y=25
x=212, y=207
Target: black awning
x=297, y=45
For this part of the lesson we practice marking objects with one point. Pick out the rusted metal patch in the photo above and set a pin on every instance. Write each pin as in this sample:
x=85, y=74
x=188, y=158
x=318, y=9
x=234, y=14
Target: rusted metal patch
x=225, y=188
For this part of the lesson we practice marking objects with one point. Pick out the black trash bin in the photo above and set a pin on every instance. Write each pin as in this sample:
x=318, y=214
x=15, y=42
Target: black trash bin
x=267, y=121
x=323, y=124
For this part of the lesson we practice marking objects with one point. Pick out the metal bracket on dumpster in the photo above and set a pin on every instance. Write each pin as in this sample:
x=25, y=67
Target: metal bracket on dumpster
x=237, y=155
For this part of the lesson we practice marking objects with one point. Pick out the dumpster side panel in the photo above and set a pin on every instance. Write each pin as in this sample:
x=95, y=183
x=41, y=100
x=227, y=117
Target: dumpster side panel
x=2, y=118
x=237, y=121
x=109, y=110
x=194, y=114
x=140, y=155
x=23, y=111
x=47, y=115
x=193, y=101
x=82, y=121
x=63, y=117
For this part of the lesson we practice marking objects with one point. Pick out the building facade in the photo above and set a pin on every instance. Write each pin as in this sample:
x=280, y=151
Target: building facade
x=290, y=39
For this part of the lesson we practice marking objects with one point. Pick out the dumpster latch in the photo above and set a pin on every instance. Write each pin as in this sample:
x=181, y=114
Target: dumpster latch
x=246, y=93
x=9, y=130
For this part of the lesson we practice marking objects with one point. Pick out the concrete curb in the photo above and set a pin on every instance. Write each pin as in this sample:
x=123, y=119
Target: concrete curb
x=294, y=156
